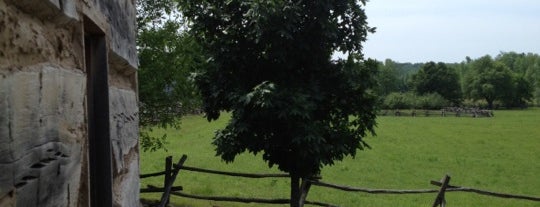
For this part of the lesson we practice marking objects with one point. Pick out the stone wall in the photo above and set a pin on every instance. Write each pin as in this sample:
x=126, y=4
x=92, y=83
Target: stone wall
x=43, y=108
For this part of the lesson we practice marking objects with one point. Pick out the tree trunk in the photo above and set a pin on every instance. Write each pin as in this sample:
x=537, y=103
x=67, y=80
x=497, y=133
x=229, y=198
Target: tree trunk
x=295, y=190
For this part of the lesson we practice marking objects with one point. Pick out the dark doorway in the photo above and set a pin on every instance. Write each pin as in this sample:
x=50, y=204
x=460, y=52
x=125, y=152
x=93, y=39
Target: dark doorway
x=99, y=141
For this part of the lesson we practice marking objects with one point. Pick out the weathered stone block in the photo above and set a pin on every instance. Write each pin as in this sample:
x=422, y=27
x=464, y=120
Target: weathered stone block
x=121, y=15
x=43, y=117
x=61, y=11
x=124, y=124
x=124, y=137
x=69, y=8
x=5, y=125
x=126, y=185
x=23, y=114
x=43, y=8
x=6, y=179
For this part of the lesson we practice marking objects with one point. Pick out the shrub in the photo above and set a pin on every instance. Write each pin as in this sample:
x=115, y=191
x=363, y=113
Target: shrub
x=399, y=101
x=431, y=101
x=412, y=101
x=469, y=103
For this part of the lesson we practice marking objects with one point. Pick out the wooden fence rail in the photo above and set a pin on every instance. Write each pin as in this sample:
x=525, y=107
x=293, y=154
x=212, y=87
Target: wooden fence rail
x=371, y=191
x=152, y=174
x=235, y=174
x=217, y=172
x=154, y=189
x=247, y=200
x=452, y=188
x=172, y=171
x=447, y=112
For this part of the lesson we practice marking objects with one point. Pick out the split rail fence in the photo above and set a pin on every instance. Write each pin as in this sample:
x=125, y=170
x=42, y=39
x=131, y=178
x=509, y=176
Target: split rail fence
x=445, y=112
x=171, y=172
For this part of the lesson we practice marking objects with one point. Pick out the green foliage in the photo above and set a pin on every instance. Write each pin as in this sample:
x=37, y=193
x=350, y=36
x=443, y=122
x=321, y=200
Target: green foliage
x=431, y=101
x=399, y=101
x=388, y=79
x=152, y=143
x=521, y=94
x=476, y=103
x=167, y=57
x=526, y=78
x=271, y=68
x=523, y=70
x=395, y=77
x=167, y=60
x=493, y=80
x=412, y=101
x=438, y=78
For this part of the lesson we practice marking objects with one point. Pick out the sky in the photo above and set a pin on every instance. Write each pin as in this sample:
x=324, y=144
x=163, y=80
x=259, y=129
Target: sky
x=449, y=30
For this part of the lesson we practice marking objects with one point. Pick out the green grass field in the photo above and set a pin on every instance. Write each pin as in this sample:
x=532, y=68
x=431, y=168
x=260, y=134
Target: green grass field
x=500, y=154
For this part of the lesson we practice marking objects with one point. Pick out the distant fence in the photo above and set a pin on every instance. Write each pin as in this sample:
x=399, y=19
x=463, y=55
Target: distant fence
x=170, y=173
x=445, y=112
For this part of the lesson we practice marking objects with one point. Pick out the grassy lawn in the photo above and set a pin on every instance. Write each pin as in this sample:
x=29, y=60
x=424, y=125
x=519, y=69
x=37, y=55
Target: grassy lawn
x=500, y=154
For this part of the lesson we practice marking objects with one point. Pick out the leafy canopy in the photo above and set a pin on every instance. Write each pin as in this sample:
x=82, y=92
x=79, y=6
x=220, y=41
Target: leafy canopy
x=489, y=80
x=271, y=67
x=438, y=78
x=167, y=57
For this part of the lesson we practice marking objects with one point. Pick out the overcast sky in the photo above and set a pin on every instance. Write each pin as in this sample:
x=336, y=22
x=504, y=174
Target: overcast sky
x=449, y=30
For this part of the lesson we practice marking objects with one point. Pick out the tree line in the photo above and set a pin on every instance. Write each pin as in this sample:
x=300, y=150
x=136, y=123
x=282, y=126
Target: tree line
x=510, y=80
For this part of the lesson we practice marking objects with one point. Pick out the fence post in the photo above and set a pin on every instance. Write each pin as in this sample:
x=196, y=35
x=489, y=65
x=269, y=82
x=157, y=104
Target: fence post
x=168, y=185
x=439, y=200
x=304, y=189
x=168, y=174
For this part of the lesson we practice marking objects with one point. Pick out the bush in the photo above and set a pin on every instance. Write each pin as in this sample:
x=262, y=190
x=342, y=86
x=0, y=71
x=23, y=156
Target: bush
x=399, y=101
x=431, y=101
x=412, y=101
x=469, y=103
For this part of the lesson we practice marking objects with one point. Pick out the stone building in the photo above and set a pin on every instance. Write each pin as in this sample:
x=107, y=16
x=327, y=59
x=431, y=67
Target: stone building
x=68, y=103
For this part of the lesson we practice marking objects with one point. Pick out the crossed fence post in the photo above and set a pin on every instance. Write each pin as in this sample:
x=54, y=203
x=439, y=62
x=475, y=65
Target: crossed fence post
x=171, y=175
x=439, y=200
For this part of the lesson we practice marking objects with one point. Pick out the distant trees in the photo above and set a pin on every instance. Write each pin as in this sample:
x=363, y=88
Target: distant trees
x=437, y=78
x=392, y=80
x=388, y=79
x=510, y=80
x=494, y=81
x=523, y=90
x=526, y=72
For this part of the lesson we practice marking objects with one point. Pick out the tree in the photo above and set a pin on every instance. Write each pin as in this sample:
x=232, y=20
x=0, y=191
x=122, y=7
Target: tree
x=489, y=80
x=438, y=78
x=406, y=71
x=272, y=68
x=167, y=57
x=387, y=79
x=527, y=76
x=523, y=92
